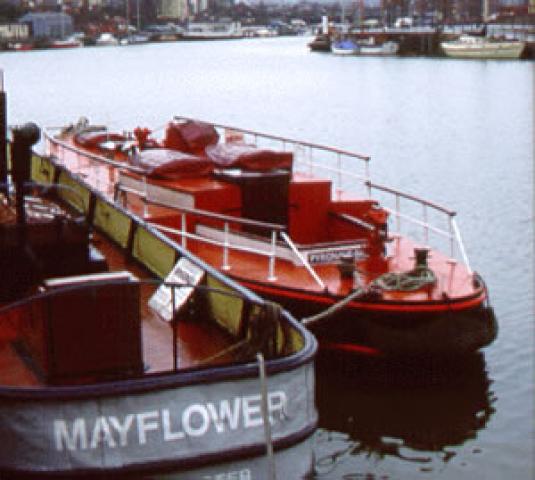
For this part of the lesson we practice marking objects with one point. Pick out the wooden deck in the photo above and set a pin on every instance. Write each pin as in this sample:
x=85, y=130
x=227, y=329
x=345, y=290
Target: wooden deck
x=197, y=341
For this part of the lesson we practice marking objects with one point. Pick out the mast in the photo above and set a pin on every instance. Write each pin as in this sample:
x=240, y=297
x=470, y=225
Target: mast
x=485, y=11
x=62, y=19
x=3, y=140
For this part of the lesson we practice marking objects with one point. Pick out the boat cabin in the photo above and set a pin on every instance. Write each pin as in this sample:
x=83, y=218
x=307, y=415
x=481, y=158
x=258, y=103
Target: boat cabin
x=195, y=172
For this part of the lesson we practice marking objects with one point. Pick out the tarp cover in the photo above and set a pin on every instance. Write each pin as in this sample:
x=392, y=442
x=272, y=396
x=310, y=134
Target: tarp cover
x=248, y=157
x=190, y=136
x=93, y=139
x=171, y=164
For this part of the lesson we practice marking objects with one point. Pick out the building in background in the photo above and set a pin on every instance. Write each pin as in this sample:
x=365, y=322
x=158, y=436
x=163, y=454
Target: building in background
x=14, y=32
x=173, y=10
x=198, y=6
x=48, y=24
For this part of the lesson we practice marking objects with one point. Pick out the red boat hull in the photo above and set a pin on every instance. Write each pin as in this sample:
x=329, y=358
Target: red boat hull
x=375, y=327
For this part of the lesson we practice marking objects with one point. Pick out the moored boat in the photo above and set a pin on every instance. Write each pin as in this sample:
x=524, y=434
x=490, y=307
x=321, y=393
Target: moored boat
x=345, y=47
x=320, y=43
x=213, y=31
x=371, y=47
x=273, y=214
x=69, y=42
x=106, y=40
x=135, y=39
x=473, y=46
x=122, y=352
x=21, y=46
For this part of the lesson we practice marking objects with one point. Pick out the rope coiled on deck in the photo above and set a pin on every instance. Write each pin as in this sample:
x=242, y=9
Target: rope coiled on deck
x=405, y=281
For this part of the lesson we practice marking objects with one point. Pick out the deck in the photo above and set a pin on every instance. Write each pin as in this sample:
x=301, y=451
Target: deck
x=198, y=342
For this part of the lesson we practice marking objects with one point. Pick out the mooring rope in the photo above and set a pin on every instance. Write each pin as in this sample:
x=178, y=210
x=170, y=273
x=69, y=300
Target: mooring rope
x=359, y=292
x=393, y=281
x=234, y=346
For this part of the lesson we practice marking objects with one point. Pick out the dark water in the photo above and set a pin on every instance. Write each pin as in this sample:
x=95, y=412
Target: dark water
x=457, y=132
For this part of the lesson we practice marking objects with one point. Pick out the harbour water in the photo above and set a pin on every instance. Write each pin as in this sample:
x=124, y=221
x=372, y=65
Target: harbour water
x=460, y=133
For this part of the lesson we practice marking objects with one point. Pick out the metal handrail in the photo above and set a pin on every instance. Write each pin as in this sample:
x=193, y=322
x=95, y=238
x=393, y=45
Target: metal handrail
x=272, y=227
x=408, y=196
x=298, y=144
x=275, y=229
x=210, y=241
x=202, y=213
x=454, y=235
x=316, y=146
x=92, y=156
x=338, y=172
x=303, y=260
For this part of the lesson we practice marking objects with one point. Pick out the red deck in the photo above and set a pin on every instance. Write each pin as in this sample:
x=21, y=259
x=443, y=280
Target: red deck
x=197, y=342
x=310, y=201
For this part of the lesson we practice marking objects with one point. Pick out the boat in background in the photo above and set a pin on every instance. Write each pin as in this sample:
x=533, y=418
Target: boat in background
x=21, y=46
x=135, y=39
x=121, y=352
x=213, y=31
x=321, y=43
x=69, y=42
x=273, y=214
x=322, y=40
x=106, y=40
x=345, y=47
x=474, y=46
x=371, y=47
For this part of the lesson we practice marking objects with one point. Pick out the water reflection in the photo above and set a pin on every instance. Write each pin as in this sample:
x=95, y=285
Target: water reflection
x=413, y=410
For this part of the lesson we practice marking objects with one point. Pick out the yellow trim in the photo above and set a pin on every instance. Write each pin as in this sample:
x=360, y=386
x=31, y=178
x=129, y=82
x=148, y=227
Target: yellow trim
x=112, y=221
x=225, y=309
x=42, y=170
x=156, y=255
x=76, y=195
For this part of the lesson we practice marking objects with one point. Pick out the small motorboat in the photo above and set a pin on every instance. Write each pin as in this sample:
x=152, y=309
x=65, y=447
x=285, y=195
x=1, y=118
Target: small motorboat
x=106, y=40
x=345, y=47
x=320, y=43
x=371, y=47
x=69, y=42
x=121, y=352
x=135, y=39
x=369, y=269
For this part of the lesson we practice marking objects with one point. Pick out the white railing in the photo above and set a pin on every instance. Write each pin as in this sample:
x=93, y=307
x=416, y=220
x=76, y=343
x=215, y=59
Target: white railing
x=226, y=243
x=103, y=179
x=315, y=157
x=452, y=234
x=312, y=156
x=339, y=165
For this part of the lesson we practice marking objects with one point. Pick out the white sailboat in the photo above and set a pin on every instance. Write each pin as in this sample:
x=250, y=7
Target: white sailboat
x=478, y=46
x=469, y=46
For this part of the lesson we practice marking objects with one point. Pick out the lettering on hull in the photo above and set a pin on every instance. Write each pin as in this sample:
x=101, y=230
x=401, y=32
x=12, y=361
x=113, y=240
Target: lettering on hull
x=166, y=424
x=326, y=256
